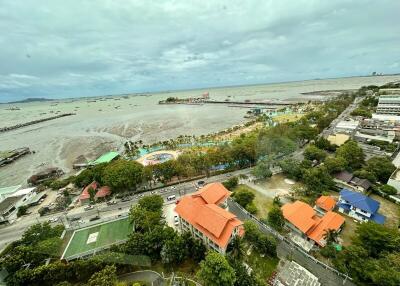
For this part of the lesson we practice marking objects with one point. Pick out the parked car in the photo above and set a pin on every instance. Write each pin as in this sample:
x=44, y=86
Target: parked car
x=200, y=183
x=81, y=221
x=53, y=219
x=111, y=203
x=94, y=218
x=89, y=207
x=125, y=199
x=75, y=218
x=171, y=198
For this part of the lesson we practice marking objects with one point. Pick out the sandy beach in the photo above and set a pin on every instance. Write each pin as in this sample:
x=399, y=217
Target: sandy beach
x=104, y=123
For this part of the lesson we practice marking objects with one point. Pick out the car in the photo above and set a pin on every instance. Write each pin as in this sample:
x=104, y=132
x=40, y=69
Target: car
x=153, y=192
x=111, y=203
x=94, y=218
x=176, y=218
x=126, y=199
x=81, y=221
x=201, y=183
x=171, y=198
x=89, y=207
x=53, y=219
x=173, y=188
x=75, y=218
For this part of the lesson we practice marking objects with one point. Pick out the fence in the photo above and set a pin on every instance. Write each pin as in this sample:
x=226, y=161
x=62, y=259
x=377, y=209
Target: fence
x=289, y=242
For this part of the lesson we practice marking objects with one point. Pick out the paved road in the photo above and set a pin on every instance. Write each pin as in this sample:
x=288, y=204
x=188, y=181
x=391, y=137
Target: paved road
x=15, y=231
x=346, y=113
x=285, y=250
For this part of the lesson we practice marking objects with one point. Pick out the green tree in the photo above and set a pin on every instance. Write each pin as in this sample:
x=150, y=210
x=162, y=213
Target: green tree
x=92, y=193
x=291, y=168
x=251, y=231
x=262, y=170
x=331, y=236
x=334, y=164
x=381, y=167
x=243, y=278
x=314, y=153
x=39, y=232
x=388, y=190
x=195, y=246
x=276, y=219
x=143, y=219
x=174, y=251
x=123, y=175
x=152, y=203
x=231, y=183
x=324, y=144
x=318, y=180
x=105, y=277
x=243, y=197
x=236, y=247
x=216, y=271
x=352, y=153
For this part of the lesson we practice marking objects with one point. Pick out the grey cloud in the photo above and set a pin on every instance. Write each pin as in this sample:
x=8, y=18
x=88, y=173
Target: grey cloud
x=80, y=48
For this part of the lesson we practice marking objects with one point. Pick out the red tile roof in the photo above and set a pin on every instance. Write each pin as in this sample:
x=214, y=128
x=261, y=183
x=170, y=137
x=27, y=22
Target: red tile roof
x=103, y=192
x=326, y=203
x=201, y=210
x=300, y=215
x=304, y=217
x=331, y=221
x=214, y=193
x=85, y=193
x=100, y=192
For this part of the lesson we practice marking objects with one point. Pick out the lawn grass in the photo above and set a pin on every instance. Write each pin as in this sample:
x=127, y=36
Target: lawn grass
x=348, y=230
x=262, y=266
x=262, y=202
x=287, y=118
x=108, y=233
x=390, y=210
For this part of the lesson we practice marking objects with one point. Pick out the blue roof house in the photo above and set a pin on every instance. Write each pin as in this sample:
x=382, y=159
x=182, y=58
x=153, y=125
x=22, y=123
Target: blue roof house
x=359, y=206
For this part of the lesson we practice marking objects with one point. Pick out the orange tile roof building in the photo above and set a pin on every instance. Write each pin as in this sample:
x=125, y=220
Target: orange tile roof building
x=303, y=219
x=204, y=215
x=325, y=204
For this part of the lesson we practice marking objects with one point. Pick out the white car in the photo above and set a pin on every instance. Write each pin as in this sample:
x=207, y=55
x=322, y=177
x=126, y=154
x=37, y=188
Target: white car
x=53, y=219
x=88, y=208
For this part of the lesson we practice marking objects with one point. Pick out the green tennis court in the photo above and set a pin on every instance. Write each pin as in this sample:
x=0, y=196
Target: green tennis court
x=86, y=240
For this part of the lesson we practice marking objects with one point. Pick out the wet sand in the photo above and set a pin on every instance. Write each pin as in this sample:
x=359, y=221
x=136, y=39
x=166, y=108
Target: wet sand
x=104, y=123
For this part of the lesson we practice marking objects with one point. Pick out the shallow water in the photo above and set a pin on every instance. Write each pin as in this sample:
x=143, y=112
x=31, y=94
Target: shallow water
x=107, y=123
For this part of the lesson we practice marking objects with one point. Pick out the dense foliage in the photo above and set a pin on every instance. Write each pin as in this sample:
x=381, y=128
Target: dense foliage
x=374, y=256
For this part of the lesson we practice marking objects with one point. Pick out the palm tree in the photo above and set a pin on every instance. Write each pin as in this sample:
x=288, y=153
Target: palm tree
x=236, y=247
x=331, y=236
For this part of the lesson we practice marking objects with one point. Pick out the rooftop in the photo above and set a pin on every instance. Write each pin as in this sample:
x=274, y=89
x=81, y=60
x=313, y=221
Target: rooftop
x=304, y=217
x=327, y=203
x=9, y=190
x=344, y=176
x=360, y=201
x=201, y=210
x=105, y=158
x=338, y=139
x=6, y=204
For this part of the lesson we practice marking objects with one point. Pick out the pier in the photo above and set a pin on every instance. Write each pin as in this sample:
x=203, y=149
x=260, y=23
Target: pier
x=9, y=128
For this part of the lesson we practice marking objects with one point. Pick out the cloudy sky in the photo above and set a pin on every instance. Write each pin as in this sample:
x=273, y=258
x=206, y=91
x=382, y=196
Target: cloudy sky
x=59, y=48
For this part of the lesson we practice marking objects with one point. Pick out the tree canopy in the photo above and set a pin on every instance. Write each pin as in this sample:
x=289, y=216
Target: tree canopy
x=352, y=153
x=216, y=271
x=123, y=175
